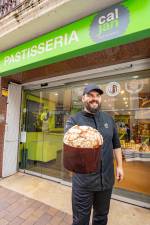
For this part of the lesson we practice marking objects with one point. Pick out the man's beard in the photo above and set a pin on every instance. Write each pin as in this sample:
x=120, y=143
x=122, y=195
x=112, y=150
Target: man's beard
x=92, y=109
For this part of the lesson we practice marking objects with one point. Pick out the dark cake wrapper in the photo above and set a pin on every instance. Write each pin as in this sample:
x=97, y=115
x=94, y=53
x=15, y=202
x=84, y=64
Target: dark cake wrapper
x=81, y=160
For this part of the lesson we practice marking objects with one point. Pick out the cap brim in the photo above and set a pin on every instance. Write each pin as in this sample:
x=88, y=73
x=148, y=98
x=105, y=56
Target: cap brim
x=97, y=90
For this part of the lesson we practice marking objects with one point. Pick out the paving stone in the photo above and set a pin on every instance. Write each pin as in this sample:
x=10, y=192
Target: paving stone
x=44, y=219
x=3, y=222
x=17, y=221
x=30, y=220
x=58, y=219
x=67, y=219
x=52, y=211
x=2, y=213
x=16, y=209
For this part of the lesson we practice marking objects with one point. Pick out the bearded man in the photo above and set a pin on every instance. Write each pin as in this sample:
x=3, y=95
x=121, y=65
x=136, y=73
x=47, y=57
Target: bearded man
x=94, y=190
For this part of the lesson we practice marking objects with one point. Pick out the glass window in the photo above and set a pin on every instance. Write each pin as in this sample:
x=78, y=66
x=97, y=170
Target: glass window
x=127, y=99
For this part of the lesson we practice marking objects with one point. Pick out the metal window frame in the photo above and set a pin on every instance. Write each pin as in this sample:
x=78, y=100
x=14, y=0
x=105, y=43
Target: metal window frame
x=103, y=72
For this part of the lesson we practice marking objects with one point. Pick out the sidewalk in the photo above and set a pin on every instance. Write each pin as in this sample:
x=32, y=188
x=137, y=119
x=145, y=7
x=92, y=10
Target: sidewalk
x=28, y=200
x=17, y=209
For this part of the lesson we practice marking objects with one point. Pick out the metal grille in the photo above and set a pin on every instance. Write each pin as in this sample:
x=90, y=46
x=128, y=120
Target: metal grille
x=7, y=6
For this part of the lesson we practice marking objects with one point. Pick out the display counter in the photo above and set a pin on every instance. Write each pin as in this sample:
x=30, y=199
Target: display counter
x=42, y=146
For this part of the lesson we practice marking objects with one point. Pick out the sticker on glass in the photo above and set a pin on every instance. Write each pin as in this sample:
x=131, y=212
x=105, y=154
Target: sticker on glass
x=134, y=86
x=113, y=89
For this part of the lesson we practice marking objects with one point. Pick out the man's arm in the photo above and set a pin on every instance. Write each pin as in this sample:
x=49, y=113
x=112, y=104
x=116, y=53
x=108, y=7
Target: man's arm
x=69, y=123
x=119, y=169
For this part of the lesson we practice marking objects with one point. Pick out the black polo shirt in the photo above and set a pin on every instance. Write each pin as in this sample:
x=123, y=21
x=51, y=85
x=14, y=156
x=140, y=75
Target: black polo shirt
x=103, y=179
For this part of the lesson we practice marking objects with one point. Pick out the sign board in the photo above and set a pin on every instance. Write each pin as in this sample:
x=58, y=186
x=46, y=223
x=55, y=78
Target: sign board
x=119, y=24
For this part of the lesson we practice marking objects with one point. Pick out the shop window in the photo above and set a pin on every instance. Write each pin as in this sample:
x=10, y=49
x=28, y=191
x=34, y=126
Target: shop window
x=127, y=99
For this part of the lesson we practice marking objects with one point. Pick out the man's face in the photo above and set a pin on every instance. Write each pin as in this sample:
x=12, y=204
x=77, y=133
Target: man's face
x=92, y=101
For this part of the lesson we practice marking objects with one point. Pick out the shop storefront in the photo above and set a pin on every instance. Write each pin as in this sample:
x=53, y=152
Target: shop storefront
x=47, y=103
x=126, y=98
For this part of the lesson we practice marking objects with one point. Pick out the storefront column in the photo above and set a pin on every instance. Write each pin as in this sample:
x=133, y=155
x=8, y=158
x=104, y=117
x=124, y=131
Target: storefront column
x=3, y=107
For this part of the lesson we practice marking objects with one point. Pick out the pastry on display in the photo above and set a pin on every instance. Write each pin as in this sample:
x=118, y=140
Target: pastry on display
x=142, y=147
x=82, y=146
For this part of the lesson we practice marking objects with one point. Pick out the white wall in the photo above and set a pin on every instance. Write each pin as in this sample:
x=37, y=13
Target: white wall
x=11, y=139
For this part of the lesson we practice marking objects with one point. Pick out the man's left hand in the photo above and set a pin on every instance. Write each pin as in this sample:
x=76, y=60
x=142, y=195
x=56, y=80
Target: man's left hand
x=119, y=174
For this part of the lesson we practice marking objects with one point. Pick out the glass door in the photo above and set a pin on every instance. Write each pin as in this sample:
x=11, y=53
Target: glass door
x=43, y=115
x=31, y=144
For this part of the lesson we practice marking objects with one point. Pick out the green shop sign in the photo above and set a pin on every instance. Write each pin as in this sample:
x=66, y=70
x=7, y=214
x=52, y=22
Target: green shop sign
x=119, y=24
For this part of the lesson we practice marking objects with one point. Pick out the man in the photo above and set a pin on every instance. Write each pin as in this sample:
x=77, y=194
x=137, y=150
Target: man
x=127, y=134
x=94, y=189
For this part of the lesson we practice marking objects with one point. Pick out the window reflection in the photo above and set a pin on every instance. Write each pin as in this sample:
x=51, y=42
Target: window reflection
x=128, y=101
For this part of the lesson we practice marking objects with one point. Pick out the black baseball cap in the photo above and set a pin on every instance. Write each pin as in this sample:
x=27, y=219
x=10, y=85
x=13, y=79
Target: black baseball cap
x=92, y=87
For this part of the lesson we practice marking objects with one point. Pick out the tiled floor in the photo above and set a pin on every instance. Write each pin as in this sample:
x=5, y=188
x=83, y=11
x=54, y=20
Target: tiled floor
x=27, y=200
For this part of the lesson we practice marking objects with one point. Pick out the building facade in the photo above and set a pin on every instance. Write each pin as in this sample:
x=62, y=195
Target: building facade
x=42, y=79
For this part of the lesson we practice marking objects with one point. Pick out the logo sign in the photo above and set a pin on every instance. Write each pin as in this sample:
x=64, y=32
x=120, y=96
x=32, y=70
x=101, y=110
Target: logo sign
x=119, y=24
x=106, y=125
x=109, y=23
x=134, y=86
x=113, y=89
x=4, y=92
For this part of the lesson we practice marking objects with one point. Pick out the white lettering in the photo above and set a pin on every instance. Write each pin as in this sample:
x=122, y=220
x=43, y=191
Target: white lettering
x=110, y=17
x=7, y=60
x=65, y=39
x=49, y=45
x=102, y=20
x=24, y=51
x=12, y=59
x=28, y=52
x=58, y=42
x=41, y=48
x=33, y=50
x=73, y=37
x=18, y=56
x=116, y=13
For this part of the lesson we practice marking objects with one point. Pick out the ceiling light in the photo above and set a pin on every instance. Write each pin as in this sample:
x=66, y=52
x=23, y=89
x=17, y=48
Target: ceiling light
x=135, y=77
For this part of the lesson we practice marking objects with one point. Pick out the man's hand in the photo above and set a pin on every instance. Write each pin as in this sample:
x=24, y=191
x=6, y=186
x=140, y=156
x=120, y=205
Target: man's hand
x=119, y=174
x=119, y=169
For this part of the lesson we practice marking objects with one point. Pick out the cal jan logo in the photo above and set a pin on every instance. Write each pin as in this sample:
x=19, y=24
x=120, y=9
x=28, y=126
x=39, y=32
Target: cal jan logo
x=109, y=23
x=106, y=125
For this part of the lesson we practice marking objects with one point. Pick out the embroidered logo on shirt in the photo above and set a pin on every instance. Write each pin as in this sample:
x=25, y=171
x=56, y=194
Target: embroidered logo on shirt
x=106, y=125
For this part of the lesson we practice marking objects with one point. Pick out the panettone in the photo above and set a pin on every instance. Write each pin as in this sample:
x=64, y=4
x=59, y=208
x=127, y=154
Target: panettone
x=83, y=137
x=82, y=149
